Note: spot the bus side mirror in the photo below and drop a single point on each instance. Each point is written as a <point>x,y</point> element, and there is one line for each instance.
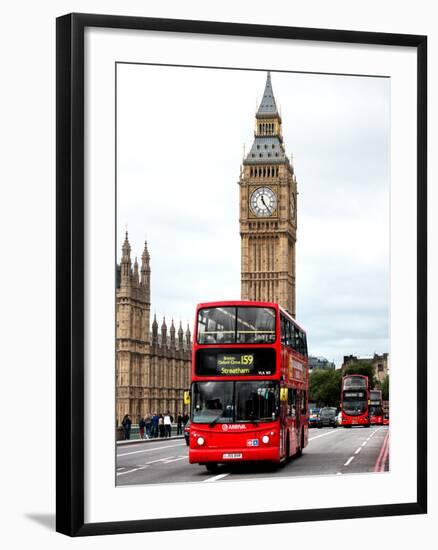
<point>283,394</point>
<point>186,398</point>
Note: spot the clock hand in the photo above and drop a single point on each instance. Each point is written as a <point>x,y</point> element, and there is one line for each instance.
<point>267,207</point>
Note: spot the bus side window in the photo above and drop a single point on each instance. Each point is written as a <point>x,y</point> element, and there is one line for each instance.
<point>289,334</point>
<point>295,338</point>
<point>303,403</point>
<point>291,398</point>
<point>283,330</point>
<point>305,343</point>
<point>301,336</point>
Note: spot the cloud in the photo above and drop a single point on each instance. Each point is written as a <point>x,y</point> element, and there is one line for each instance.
<point>180,143</point>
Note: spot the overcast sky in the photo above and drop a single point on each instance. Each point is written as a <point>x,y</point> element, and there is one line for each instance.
<point>180,138</point>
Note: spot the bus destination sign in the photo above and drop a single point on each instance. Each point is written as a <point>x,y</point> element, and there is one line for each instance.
<point>235,363</point>
<point>247,362</point>
<point>359,394</point>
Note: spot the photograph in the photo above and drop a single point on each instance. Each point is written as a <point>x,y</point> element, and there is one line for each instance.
<point>252,274</point>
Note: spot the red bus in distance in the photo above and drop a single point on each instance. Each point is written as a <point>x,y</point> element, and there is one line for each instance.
<point>249,386</point>
<point>354,401</point>
<point>376,407</point>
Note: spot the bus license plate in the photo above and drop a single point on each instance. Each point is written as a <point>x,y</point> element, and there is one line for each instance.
<point>231,455</point>
<point>252,442</point>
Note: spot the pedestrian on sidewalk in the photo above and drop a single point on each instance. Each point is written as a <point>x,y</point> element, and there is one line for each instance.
<point>161,425</point>
<point>126,423</point>
<point>167,424</point>
<point>148,425</point>
<point>179,424</point>
<point>155,425</point>
<point>185,418</point>
<point>141,427</point>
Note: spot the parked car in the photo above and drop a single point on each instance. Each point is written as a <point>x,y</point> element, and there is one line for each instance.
<point>187,432</point>
<point>327,417</point>
<point>313,418</point>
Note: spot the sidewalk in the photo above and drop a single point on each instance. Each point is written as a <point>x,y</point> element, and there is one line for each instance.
<point>150,440</point>
<point>135,435</point>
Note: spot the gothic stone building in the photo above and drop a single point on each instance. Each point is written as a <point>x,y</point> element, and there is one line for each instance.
<point>153,367</point>
<point>268,212</point>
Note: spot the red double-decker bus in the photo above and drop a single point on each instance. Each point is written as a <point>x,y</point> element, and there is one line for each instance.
<point>354,401</point>
<point>375,408</point>
<point>249,384</point>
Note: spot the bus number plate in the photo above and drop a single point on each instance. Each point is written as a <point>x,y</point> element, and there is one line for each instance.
<point>231,455</point>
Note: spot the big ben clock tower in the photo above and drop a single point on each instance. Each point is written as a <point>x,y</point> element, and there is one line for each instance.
<point>268,212</point>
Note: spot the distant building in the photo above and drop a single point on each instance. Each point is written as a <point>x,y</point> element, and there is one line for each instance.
<point>380,364</point>
<point>320,363</point>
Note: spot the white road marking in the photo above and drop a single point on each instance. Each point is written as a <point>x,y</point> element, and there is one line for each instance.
<point>127,472</point>
<point>150,450</point>
<point>215,478</point>
<point>323,435</point>
<point>339,473</point>
<point>375,431</point>
<point>174,460</point>
<point>364,443</point>
<point>159,460</point>
<point>349,460</point>
<point>357,451</point>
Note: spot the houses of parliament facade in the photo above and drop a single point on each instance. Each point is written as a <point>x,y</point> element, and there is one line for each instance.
<point>152,364</point>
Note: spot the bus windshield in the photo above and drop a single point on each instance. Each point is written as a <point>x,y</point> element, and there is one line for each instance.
<point>354,405</point>
<point>236,325</point>
<point>225,402</point>
<point>354,382</point>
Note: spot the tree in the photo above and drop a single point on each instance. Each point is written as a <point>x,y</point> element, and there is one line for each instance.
<point>325,387</point>
<point>364,368</point>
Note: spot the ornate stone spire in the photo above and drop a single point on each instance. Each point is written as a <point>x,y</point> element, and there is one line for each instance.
<point>145,257</point>
<point>155,330</point>
<point>267,147</point>
<point>164,333</point>
<point>146,272</point>
<point>125,263</point>
<point>188,336</point>
<point>172,335</point>
<point>180,335</point>
<point>268,105</point>
<point>136,277</point>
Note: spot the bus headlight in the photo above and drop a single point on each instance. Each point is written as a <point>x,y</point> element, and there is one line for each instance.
<point>265,439</point>
<point>200,441</point>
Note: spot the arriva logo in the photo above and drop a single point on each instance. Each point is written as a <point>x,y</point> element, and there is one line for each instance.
<point>227,427</point>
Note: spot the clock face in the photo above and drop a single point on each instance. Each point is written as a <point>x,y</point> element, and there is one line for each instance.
<point>263,201</point>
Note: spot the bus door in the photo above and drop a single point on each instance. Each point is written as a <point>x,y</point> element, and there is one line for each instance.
<point>284,418</point>
<point>294,415</point>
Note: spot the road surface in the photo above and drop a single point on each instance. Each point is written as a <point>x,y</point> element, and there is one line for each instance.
<point>330,451</point>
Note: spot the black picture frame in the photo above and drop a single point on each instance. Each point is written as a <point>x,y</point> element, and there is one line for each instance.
<point>70,272</point>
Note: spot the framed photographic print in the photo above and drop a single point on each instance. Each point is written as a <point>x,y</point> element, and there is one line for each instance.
<point>241,274</point>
